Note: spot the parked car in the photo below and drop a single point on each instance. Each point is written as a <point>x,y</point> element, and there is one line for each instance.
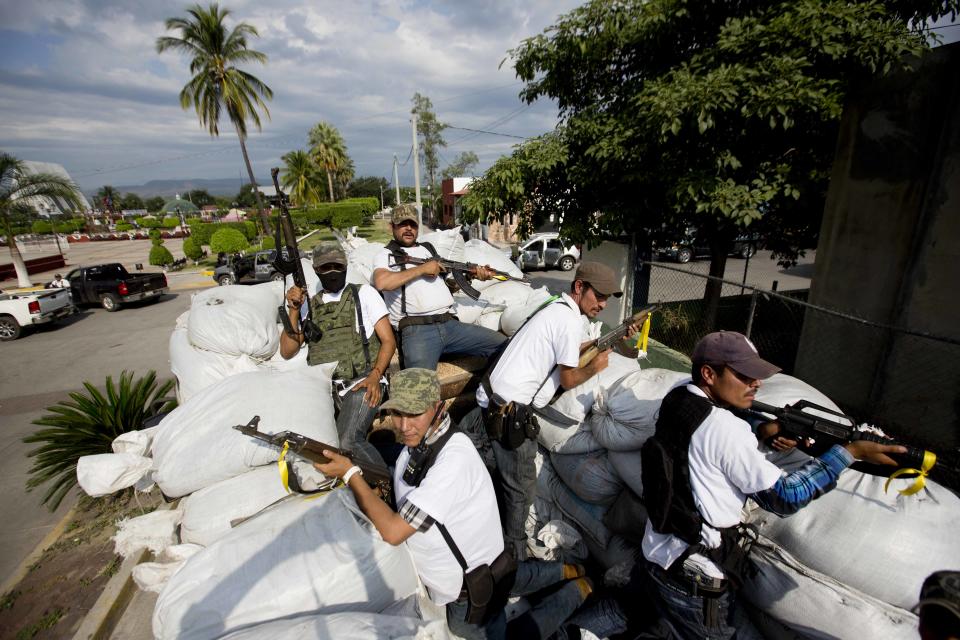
<point>692,245</point>
<point>257,267</point>
<point>21,310</point>
<point>546,251</point>
<point>111,285</point>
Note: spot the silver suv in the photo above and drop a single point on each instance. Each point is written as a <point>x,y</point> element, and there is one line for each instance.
<point>546,251</point>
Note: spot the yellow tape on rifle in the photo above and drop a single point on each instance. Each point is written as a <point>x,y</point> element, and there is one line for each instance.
<point>282,464</point>
<point>644,334</point>
<point>929,459</point>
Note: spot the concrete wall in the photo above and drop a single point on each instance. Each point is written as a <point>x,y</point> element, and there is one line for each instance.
<point>889,252</point>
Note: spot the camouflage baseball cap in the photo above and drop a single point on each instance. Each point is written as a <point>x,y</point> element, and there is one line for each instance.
<point>327,253</point>
<point>403,212</point>
<point>413,391</point>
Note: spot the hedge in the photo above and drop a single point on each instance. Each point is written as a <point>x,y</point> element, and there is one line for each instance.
<point>123,226</point>
<point>170,223</point>
<point>203,231</point>
<point>228,240</point>
<point>147,223</point>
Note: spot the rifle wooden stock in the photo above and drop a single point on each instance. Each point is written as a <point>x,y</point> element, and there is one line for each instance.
<point>459,270</point>
<point>312,450</point>
<point>609,339</point>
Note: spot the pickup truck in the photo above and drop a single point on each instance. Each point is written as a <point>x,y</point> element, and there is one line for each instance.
<point>251,269</point>
<point>19,310</point>
<point>111,285</point>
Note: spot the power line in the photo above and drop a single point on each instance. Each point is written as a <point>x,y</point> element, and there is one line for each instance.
<point>492,133</point>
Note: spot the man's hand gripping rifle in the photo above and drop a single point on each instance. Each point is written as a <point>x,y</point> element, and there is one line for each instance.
<point>816,428</point>
<point>288,263</point>
<point>312,450</point>
<point>612,337</point>
<point>463,272</point>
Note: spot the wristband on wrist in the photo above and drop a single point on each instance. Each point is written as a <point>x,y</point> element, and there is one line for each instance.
<point>352,471</point>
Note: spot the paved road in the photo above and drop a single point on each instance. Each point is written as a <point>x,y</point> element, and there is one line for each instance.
<point>46,364</point>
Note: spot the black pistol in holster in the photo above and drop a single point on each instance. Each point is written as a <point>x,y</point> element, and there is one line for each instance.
<point>288,263</point>
<point>511,424</point>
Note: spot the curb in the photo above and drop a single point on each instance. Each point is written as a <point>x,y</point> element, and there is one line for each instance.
<point>109,608</point>
<point>24,567</point>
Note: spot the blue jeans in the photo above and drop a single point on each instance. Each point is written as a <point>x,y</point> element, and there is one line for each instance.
<point>423,344</point>
<point>540,622</point>
<point>518,483</point>
<point>353,423</point>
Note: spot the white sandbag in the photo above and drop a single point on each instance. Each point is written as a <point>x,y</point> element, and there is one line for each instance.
<point>489,321</point>
<point>572,439</point>
<point>152,576</point>
<point>781,389</point>
<point>197,446</point>
<point>543,512</point>
<point>448,243</point>
<point>586,517</point>
<point>237,320</point>
<point>557,534</point>
<point>590,476</point>
<point>349,625</point>
<point>577,402</point>
<point>178,552</point>
<point>624,415</point>
<point>155,531</point>
<point>627,466</point>
<point>317,556</point>
<point>182,319</point>
<point>482,252</point>
<point>881,544</point>
<point>278,363</point>
<point>360,261</point>
<point>209,513</point>
<point>513,317</point>
<point>468,310</point>
<point>137,442</point>
<point>507,293</point>
<point>106,473</point>
<point>197,369</point>
<point>818,606</point>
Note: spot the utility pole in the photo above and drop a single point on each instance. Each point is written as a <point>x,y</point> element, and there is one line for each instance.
<point>416,171</point>
<point>396,180</point>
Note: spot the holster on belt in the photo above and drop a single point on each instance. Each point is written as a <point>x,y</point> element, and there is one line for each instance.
<point>511,424</point>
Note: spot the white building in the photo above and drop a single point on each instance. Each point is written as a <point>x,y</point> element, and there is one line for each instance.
<point>47,207</point>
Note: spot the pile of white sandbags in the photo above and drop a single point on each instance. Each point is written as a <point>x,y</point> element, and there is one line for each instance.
<point>484,253</point>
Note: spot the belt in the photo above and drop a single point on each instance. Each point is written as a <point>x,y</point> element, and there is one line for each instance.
<point>437,318</point>
<point>690,580</point>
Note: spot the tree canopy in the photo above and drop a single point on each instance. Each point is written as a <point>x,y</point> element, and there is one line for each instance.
<point>462,165</point>
<point>329,152</point>
<point>720,114</point>
<point>300,176</point>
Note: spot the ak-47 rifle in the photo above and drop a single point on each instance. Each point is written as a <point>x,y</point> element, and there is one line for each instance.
<point>611,338</point>
<point>816,428</point>
<point>312,450</point>
<point>288,263</point>
<point>461,272</point>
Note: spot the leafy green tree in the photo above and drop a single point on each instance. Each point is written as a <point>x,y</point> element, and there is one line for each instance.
<point>328,150</point>
<point>154,204</point>
<point>301,176</point>
<point>462,165</point>
<point>192,249</point>
<point>200,197</point>
<point>430,133</point>
<point>160,256</point>
<point>218,84</point>
<point>721,115</point>
<point>370,187</point>
<point>132,201</point>
<point>87,424</point>
<point>245,198</point>
<point>228,240</point>
<point>17,190</point>
<point>342,178</point>
<point>268,242</point>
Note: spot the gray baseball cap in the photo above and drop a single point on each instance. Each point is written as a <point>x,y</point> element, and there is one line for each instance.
<point>600,277</point>
<point>413,391</point>
<point>735,351</point>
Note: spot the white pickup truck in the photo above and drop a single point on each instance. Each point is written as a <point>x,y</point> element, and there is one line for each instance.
<point>19,310</point>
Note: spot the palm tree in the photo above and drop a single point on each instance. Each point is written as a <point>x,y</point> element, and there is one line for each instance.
<point>328,150</point>
<point>300,176</point>
<point>109,197</point>
<point>345,175</point>
<point>17,190</point>
<point>217,83</point>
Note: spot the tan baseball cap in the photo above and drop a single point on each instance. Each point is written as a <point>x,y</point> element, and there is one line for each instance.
<point>403,212</point>
<point>413,391</point>
<point>600,277</point>
<point>735,351</point>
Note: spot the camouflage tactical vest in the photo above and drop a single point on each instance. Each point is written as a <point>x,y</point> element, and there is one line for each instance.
<point>339,340</point>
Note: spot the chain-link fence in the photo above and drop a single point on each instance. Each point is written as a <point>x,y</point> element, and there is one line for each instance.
<point>904,381</point>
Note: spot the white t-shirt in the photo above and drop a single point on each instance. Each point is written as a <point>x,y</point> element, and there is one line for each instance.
<point>457,492</point>
<point>426,296</point>
<point>725,467</point>
<point>550,338</point>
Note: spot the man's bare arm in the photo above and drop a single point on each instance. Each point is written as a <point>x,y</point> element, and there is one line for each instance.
<point>387,280</point>
<point>571,377</point>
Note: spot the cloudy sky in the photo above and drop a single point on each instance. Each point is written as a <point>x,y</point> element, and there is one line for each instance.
<point>81,83</point>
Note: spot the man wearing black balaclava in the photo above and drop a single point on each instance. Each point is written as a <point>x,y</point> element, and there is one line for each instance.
<point>354,331</point>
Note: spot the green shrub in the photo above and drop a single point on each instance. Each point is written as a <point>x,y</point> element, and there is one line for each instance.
<point>170,223</point>
<point>192,249</point>
<point>123,226</point>
<point>156,238</point>
<point>267,242</point>
<point>160,255</point>
<point>41,226</point>
<point>86,425</point>
<point>346,218</point>
<point>228,240</point>
<point>69,226</point>
<point>148,223</point>
<point>203,231</point>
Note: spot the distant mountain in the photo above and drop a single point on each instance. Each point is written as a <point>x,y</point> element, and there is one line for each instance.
<point>170,188</point>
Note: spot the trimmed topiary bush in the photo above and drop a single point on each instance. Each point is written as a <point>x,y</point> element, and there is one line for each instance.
<point>160,256</point>
<point>192,249</point>
<point>228,240</point>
